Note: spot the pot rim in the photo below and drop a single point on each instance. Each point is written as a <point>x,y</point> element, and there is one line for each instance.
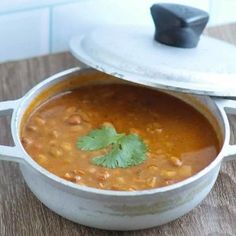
<point>15,130</point>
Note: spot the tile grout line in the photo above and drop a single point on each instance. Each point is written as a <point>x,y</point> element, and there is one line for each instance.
<point>50,33</point>
<point>211,9</point>
<point>26,9</point>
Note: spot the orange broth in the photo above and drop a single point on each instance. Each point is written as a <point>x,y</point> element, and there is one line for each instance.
<point>180,140</point>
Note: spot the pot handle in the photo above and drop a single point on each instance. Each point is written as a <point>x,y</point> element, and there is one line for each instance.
<point>8,153</point>
<point>227,106</point>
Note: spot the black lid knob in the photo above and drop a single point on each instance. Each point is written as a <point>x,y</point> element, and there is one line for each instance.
<point>178,25</point>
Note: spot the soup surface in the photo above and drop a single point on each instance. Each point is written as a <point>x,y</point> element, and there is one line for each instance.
<point>180,141</point>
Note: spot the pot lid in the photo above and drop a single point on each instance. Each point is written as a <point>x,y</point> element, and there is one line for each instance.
<point>173,59</point>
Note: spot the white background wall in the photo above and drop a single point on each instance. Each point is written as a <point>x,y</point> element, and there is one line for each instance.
<point>31,27</point>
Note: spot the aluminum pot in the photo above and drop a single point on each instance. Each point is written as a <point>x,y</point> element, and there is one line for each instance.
<point>118,210</point>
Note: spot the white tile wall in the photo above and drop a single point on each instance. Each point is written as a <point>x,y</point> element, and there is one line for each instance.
<point>75,18</point>
<point>18,5</point>
<point>31,27</point>
<point>24,34</point>
<point>223,11</point>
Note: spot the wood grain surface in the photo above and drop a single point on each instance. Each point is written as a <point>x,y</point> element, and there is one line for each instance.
<point>21,214</point>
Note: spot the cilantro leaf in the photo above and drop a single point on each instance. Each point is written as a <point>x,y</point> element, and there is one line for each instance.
<point>97,139</point>
<point>126,150</point>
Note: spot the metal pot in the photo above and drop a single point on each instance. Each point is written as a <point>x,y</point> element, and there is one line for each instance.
<point>117,210</point>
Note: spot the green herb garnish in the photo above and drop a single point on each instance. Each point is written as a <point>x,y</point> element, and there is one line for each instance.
<point>123,150</point>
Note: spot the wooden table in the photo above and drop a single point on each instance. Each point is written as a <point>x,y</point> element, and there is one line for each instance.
<point>22,214</point>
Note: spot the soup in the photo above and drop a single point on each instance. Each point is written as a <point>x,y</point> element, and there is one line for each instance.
<point>179,140</point>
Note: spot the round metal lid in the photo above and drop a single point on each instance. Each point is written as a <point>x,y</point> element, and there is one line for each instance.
<point>130,53</point>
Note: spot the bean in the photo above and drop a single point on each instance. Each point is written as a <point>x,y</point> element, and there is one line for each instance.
<point>156,155</point>
<point>65,118</point>
<point>176,161</point>
<point>159,131</point>
<point>52,142</point>
<point>38,146</point>
<point>185,171</point>
<point>77,179</point>
<point>103,176</point>
<point>83,156</point>
<point>124,188</point>
<point>40,121</point>
<point>56,152</point>
<point>42,158</point>
<point>120,179</point>
<point>26,141</point>
<point>153,168</point>
<point>154,127</point>
<point>144,173</point>
<point>66,146</point>
<point>151,155</point>
<point>132,189</point>
<point>116,172</point>
<point>119,188</point>
<point>150,130</point>
<point>141,181</point>
<point>32,128</point>
<point>92,170</point>
<point>134,131</point>
<point>67,160</point>
<point>76,128</point>
<point>85,101</point>
<point>170,181</point>
<point>115,187</point>
<point>146,141</point>
<point>74,120</point>
<point>101,185</point>
<point>151,182</point>
<point>69,176</point>
<point>106,123</point>
<point>79,172</point>
<point>159,151</point>
<point>168,173</point>
<point>84,116</point>
<point>70,109</point>
<point>55,134</point>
